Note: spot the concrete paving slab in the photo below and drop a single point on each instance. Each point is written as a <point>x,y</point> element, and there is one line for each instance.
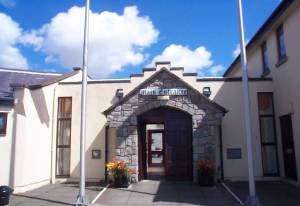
<point>55,195</point>
<point>270,193</point>
<point>161,193</point>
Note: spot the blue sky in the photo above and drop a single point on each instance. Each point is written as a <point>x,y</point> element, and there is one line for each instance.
<point>200,35</point>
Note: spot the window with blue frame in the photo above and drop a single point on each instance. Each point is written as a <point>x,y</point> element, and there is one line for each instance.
<point>3,123</point>
<point>265,59</point>
<point>281,49</point>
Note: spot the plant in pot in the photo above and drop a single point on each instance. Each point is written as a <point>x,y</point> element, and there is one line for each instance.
<point>119,172</point>
<point>206,172</point>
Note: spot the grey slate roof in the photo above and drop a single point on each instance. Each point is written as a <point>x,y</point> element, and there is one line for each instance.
<point>23,78</point>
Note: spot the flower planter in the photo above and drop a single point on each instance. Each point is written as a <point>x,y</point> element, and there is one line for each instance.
<point>206,179</point>
<point>119,172</point>
<point>206,173</point>
<point>120,182</point>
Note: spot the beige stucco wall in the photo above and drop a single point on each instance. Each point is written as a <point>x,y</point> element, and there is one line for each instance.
<point>6,147</point>
<point>285,77</point>
<point>230,96</point>
<point>33,113</point>
<point>290,20</point>
<point>286,83</point>
<point>101,96</point>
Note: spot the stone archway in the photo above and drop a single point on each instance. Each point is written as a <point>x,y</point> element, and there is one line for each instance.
<point>177,144</point>
<point>206,117</point>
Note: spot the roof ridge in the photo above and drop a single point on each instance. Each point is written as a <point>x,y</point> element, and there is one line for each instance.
<point>28,71</point>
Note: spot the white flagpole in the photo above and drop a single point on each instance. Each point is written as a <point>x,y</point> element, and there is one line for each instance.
<point>252,199</point>
<point>81,199</point>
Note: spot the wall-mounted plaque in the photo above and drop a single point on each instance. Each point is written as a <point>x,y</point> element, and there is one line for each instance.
<point>234,153</point>
<point>156,91</point>
<point>96,154</point>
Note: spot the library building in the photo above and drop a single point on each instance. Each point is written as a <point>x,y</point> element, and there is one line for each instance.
<point>162,121</point>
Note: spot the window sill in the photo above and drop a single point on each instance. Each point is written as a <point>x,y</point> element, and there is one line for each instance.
<point>265,73</point>
<point>281,61</point>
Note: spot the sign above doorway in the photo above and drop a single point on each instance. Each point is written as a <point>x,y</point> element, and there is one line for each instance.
<point>156,91</point>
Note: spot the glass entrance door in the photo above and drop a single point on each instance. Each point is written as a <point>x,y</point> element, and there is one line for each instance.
<point>155,148</point>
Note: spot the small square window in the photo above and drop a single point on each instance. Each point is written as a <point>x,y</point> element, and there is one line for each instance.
<point>3,123</point>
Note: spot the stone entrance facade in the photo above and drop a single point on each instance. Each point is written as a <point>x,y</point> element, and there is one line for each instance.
<point>206,117</point>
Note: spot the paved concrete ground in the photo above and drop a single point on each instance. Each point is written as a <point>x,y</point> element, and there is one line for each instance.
<point>54,195</point>
<point>167,193</point>
<point>270,193</point>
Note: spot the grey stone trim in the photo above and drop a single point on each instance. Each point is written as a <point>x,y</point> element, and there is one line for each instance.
<point>205,120</point>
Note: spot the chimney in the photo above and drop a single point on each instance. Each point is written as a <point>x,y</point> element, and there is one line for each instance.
<point>76,68</point>
<point>162,64</point>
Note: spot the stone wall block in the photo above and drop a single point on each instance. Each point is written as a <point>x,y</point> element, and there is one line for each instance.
<point>179,104</point>
<point>127,113</point>
<point>116,113</point>
<point>118,152</point>
<point>171,103</point>
<point>126,107</point>
<point>118,108</point>
<point>200,111</point>
<point>128,142</point>
<point>185,107</point>
<point>133,99</point>
<point>191,110</point>
<point>133,120</point>
<point>120,132</point>
<point>128,151</point>
<point>132,130</point>
<point>163,102</point>
<point>134,107</point>
<point>122,152</point>
<point>125,132</point>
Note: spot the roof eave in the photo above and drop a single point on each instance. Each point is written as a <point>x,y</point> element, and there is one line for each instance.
<point>283,6</point>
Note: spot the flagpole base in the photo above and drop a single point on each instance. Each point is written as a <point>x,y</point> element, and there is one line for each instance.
<point>81,201</point>
<point>252,201</point>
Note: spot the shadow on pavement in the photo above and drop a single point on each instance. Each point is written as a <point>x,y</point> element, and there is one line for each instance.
<point>56,194</point>
<point>270,193</point>
<point>43,199</point>
<point>167,193</point>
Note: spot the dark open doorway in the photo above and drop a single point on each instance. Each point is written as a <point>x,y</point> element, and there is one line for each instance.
<point>288,147</point>
<point>176,154</point>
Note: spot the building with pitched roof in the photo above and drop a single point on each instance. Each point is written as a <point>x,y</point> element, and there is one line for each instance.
<point>161,122</point>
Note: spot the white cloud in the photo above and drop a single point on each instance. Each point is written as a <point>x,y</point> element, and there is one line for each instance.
<point>8,3</point>
<point>236,52</point>
<point>10,55</point>
<point>198,60</point>
<point>216,70</point>
<point>32,38</point>
<point>192,60</point>
<point>115,41</point>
